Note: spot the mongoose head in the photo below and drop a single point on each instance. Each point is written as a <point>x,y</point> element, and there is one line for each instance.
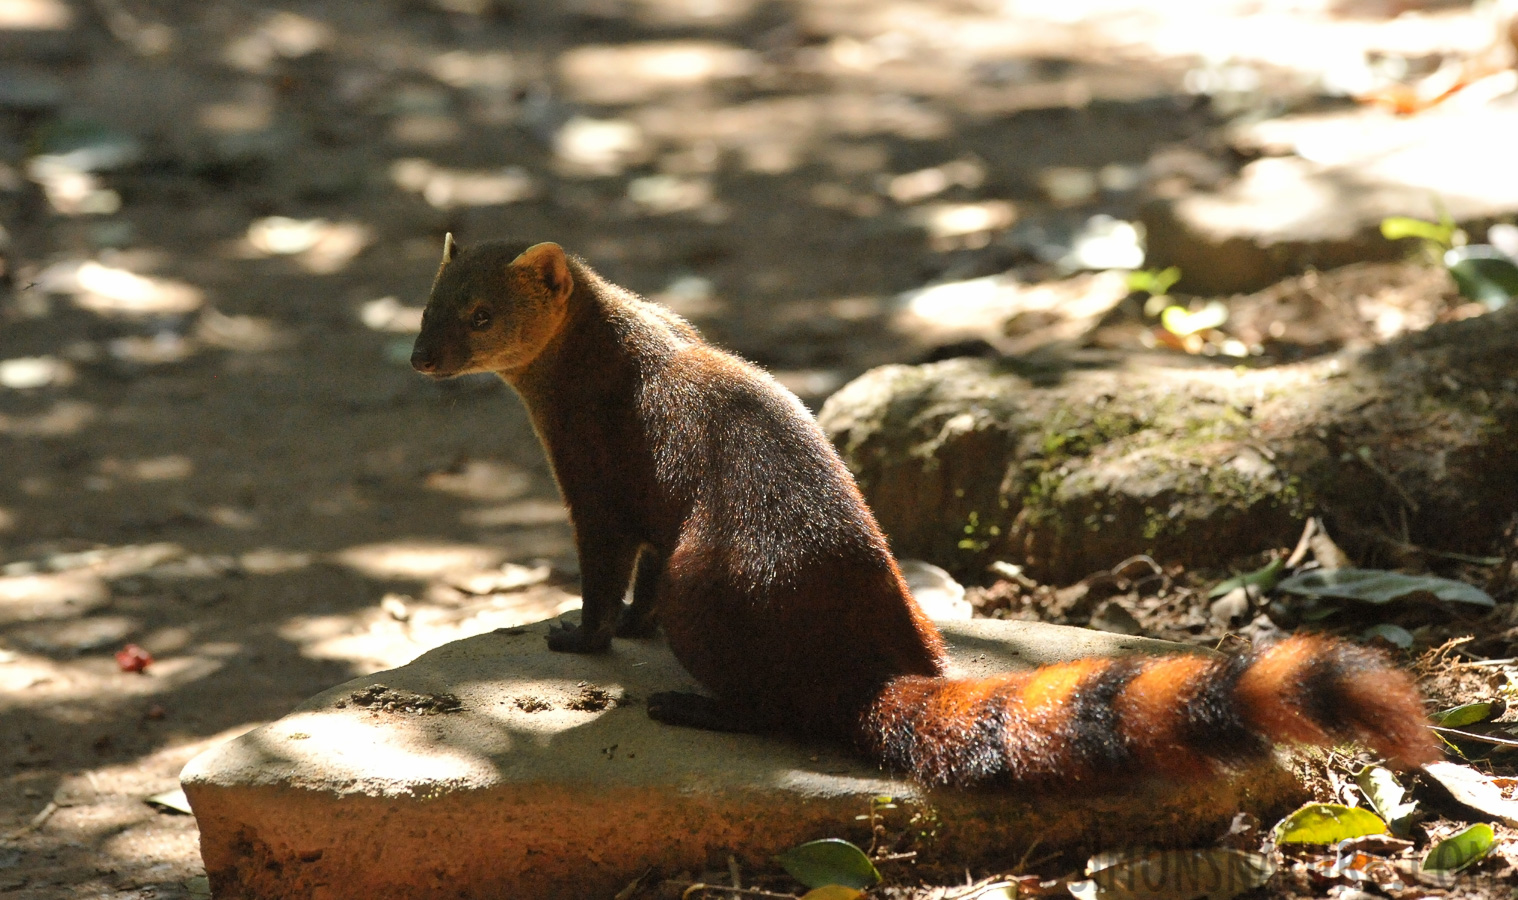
<point>493,309</point>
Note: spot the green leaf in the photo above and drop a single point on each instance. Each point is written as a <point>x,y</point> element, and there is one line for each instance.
<point>1388,798</point>
<point>829,861</point>
<point>1179,322</point>
<point>1458,851</point>
<point>1327,823</point>
<point>1395,635</point>
<point>1467,714</point>
<point>1264,579</point>
<point>1155,282</point>
<point>1216,873</point>
<point>1396,228</point>
<point>1375,586</point>
<point>1483,273</point>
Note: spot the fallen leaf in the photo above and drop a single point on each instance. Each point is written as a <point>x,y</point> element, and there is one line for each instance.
<point>1460,850</point>
<point>1468,714</point>
<point>1479,792</point>
<point>1375,586</point>
<point>1388,797</point>
<point>1327,823</point>
<point>830,861</point>
<point>1214,873</point>
<point>171,801</point>
<point>833,892</point>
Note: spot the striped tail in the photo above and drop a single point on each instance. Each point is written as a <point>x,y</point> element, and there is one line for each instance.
<point>1107,721</point>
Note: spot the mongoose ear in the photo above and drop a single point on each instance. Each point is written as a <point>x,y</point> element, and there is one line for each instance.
<point>450,248</point>
<point>547,261</point>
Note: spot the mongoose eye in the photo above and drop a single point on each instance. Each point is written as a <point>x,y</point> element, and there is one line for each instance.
<point>481,318</point>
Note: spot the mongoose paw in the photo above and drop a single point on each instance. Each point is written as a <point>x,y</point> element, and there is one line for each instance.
<point>635,624</point>
<point>574,639</point>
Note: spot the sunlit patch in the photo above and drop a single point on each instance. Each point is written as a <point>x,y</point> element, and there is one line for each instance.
<point>1004,306</point>
<point>50,595</point>
<point>113,291</point>
<point>283,236</point>
<point>403,627</point>
<point>598,147</point>
<point>283,34</point>
<point>527,512</point>
<point>322,247</point>
<point>63,418</point>
<point>690,295</point>
<point>448,188</point>
<point>675,13</point>
<point>417,559</point>
<point>35,15</point>
<point>74,635</point>
<point>173,467</point>
<point>273,561</point>
<point>382,750</point>
<point>631,73</point>
<point>482,479</point>
<point>951,225</point>
<point>30,372</point>
<point>664,194</point>
<point>244,334</point>
<point>465,69</point>
<point>914,187</point>
<point>251,111</point>
<point>389,314</point>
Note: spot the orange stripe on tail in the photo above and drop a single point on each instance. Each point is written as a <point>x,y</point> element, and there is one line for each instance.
<point>1108,721</point>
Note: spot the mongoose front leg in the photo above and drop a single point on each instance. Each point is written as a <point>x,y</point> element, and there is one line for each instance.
<point>606,566</point>
<point>638,619</point>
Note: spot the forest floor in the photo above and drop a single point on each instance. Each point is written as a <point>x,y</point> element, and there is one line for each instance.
<point>211,444</point>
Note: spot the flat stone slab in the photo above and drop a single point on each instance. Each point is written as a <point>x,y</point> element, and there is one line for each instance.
<point>491,767</point>
<point>1327,180</point>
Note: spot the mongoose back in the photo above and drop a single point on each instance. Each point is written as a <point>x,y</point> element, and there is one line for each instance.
<point>698,480</point>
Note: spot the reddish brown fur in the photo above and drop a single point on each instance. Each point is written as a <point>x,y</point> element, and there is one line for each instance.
<point>776,589</point>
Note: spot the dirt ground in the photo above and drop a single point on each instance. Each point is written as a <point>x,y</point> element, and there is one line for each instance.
<point>212,446</point>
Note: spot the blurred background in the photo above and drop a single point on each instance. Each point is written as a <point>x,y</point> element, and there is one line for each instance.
<point>219,220</point>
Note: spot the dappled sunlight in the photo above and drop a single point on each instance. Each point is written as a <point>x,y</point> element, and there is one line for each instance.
<point>389,314</point>
<point>397,749</point>
<point>588,147</point>
<point>51,595</point>
<point>446,188</point>
<point>403,627</point>
<point>113,291</point>
<point>525,513</point>
<point>321,247</point>
<point>173,467</point>
<point>418,558</point>
<point>636,73</point>
<point>35,15</point>
<point>482,479</point>
<point>1030,315</point>
<point>29,372</point>
<point>61,419</point>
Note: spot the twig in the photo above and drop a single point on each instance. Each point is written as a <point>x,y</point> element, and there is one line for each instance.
<point>1473,736</point>
<point>979,888</point>
<point>1304,543</point>
<point>727,889</point>
<point>1363,454</point>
